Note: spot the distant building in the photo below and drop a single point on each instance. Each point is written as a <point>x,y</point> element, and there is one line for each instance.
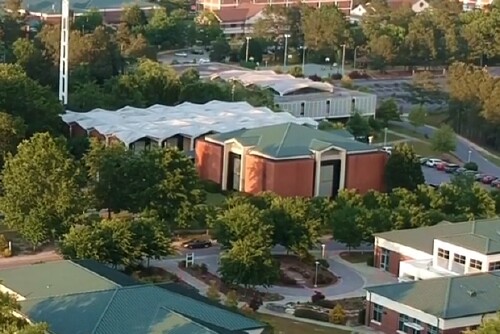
<point>446,305</point>
<point>303,97</point>
<point>418,6</point>
<point>290,160</point>
<point>446,249</point>
<point>50,10</point>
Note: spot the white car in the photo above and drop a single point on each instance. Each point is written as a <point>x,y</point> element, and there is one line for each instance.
<point>433,162</point>
<point>203,61</point>
<point>181,54</point>
<point>387,149</point>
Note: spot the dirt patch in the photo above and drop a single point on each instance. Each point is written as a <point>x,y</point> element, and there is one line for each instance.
<point>152,275</point>
<point>244,294</point>
<point>356,257</point>
<point>299,273</point>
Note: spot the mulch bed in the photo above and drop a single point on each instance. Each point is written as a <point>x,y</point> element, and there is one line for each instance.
<point>292,263</point>
<point>244,294</point>
<point>152,275</point>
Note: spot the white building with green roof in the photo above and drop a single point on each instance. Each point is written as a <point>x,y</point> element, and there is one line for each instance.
<point>446,249</point>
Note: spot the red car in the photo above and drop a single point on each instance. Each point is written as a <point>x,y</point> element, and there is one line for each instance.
<point>441,166</point>
<point>488,179</point>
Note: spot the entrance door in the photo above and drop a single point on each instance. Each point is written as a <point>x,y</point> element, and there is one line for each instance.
<point>384,260</point>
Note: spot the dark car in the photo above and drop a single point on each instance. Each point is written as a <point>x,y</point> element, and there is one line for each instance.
<point>197,51</point>
<point>197,243</point>
<point>459,171</point>
<point>450,168</point>
<point>488,179</point>
<point>479,176</point>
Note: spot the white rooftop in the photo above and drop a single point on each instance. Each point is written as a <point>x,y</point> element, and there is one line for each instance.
<point>160,122</point>
<point>281,83</point>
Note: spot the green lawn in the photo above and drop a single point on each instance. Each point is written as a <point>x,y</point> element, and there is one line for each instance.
<point>407,132</point>
<point>422,149</point>
<point>436,118</point>
<point>289,326</point>
<point>391,137</point>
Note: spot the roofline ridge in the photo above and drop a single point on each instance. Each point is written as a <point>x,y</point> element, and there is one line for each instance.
<point>104,311</point>
<point>280,144</point>
<point>33,264</point>
<point>447,296</point>
<point>184,317</point>
<point>93,272</point>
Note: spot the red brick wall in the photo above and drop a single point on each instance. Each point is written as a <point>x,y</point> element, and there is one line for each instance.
<point>285,178</point>
<point>208,160</point>
<point>394,259</point>
<point>77,131</point>
<point>365,171</point>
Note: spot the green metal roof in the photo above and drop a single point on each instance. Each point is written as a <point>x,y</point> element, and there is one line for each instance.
<point>53,279</point>
<point>447,297</point>
<point>79,6</point>
<point>138,309</point>
<point>291,140</point>
<point>482,236</point>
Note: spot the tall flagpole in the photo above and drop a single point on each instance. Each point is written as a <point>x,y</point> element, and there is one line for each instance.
<point>64,53</point>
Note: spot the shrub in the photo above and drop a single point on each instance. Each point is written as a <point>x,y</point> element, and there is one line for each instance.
<point>311,314</point>
<point>278,70</point>
<point>337,315</point>
<point>326,303</point>
<point>370,261</point>
<point>255,302</point>
<point>325,125</point>
<point>317,296</point>
<point>213,292</point>
<point>315,77</point>
<point>210,186</point>
<point>7,253</point>
<point>324,263</point>
<point>296,71</point>
<point>250,65</point>
<point>336,76</point>
<point>346,82</point>
<point>231,299</point>
<point>203,269</point>
<point>471,166</point>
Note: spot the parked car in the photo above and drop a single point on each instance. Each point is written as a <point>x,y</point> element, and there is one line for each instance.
<point>423,160</point>
<point>495,183</point>
<point>196,51</point>
<point>479,176</point>
<point>197,243</point>
<point>432,162</point>
<point>459,171</point>
<point>181,54</point>
<point>450,168</point>
<point>387,149</point>
<point>488,179</point>
<point>203,61</point>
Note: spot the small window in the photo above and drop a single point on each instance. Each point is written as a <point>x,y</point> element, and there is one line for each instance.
<point>353,104</point>
<point>494,266</point>
<point>476,264</point>
<point>378,311</point>
<point>328,103</point>
<point>302,108</point>
<point>443,253</point>
<point>432,330</point>
<point>460,259</point>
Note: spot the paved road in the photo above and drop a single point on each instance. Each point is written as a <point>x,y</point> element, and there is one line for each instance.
<point>462,150</point>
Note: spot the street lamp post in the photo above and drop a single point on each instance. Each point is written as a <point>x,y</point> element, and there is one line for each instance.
<point>323,250</point>
<point>343,58</point>
<point>304,48</point>
<point>316,275</point>
<point>355,57</point>
<point>286,50</point>
<point>385,136</point>
<point>248,43</point>
<point>468,159</point>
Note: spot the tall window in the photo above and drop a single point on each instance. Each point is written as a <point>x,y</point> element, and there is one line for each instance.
<point>494,266</point>
<point>302,108</point>
<point>460,259</point>
<point>328,104</point>
<point>476,264</point>
<point>236,174</point>
<point>378,311</point>
<point>443,253</point>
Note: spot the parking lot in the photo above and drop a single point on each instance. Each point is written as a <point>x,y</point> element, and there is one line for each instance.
<point>437,177</point>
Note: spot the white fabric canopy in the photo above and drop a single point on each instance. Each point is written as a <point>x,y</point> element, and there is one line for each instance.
<point>160,122</point>
<point>281,83</point>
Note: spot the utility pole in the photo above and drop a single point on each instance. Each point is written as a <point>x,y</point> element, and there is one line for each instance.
<point>304,48</point>
<point>64,54</point>
<point>355,56</point>
<point>343,59</point>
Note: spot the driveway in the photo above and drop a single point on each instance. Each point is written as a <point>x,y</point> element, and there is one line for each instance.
<point>462,150</point>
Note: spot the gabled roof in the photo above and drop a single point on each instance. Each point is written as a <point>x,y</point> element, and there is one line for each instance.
<point>160,122</point>
<point>447,297</point>
<point>282,84</point>
<point>482,236</point>
<point>238,14</point>
<point>290,140</point>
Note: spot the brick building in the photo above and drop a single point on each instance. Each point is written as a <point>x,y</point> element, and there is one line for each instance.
<point>446,249</point>
<point>290,160</point>
<point>446,305</point>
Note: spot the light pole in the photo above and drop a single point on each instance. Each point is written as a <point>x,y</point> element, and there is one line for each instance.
<point>385,136</point>
<point>304,48</point>
<point>316,275</point>
<point>343,59</point>
<point>323,250</point>
<point>355,56</point>
<point>248,43</point>
<point>286,50</point>
<point>470,152</point>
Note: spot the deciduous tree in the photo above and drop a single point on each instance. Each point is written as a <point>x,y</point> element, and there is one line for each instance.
<point>444,139</point>
<point>40,189</point>
<point>403,169</point>
<point>417,116</point>
<point>12,131</point>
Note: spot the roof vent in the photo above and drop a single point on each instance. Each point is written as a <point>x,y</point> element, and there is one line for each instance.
<point>472,293</point>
